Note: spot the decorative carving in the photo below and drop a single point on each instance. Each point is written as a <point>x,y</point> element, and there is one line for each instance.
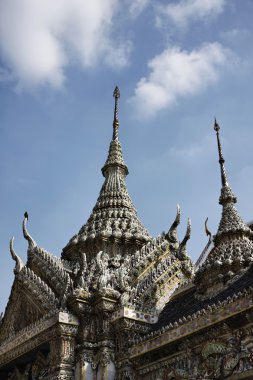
<point>172,234</point>
<point>116,279</point>
<point>19,263</point>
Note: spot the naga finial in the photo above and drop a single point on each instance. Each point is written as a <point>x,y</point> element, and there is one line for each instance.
<point>19,263</point>
<point>172,233</point>
<point>182,246</point>
<point>224,180</point>
<point>26,234</point>
<point>208,233</point>
<point>116,95</point>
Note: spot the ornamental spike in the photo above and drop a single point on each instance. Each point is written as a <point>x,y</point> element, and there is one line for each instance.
<point>224,180</point>
<point>208,233</point>
<point>19,263</point>
<point>31,243</point>
<point>116,95</point>
<point>187,234</point>
<point>172,233</point>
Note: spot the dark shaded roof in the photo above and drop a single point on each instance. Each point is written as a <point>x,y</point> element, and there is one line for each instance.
<point>187,304</point>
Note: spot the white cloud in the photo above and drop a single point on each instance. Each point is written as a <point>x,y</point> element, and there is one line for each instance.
<point>185,11</point>
<point>175,73</point>
<point>202,150</point>
<point>38,39</point>
<point>193,151</point>
<point>236,35</point>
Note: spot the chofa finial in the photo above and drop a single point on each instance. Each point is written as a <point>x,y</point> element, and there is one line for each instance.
<point>172,233</point>
<point>182,246</point>
<point>116,95</point>
<point>19,263</point>
<point>221,158</point>
<point>208,233</point>
<point>26,234</point>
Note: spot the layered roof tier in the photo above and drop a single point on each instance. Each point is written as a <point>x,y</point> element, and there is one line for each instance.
<point>232,253</point>
<point>113,222</point>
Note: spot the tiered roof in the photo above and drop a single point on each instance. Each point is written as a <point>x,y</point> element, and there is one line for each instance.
<point>233,244</point>
<point>225,274</point>
<point>114,218</point>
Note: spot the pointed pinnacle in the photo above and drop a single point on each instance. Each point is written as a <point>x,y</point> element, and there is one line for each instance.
<point>116,95</point>
<point>221,158</point>
<point>116,92</point>
<point>216,126</point>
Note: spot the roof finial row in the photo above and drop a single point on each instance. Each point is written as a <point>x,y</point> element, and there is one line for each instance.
<point>116,95</point>
<point>224,180</point>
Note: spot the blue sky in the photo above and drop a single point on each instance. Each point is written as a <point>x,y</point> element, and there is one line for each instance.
<point>177,63</point>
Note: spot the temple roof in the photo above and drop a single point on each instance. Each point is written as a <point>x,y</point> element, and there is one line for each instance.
<point>185,303</point>
<point>114,218</point>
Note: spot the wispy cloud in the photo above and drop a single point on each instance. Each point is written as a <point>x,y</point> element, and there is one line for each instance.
<point>38,39</point>
<point>236,36</point>
<point>176,73</point>
<point>137,6</point>
<point>183,12</point>
<point>5,75</point>
<point>193,151</point>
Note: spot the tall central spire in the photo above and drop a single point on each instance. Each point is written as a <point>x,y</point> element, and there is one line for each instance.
<point>221,158</point>
<point>115,156</point>
<point>116,95</point>
<point>113,225</point>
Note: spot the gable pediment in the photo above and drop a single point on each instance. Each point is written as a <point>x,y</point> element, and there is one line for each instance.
<point>23,309</point>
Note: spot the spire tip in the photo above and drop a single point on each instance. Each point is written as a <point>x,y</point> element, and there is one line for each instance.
<point>224,180</point>
<point>216,126</point>
<point>116,93</point>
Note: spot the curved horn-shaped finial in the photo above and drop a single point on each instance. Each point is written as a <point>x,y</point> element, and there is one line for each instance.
<point>186,237</point>
<point>19,263</point>
<point>208,233</point>
<point>172,233</point>
<point>32,244</point>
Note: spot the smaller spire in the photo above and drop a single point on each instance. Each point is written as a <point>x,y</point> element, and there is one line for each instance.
<point>116,95</point>
<point>224,180</point>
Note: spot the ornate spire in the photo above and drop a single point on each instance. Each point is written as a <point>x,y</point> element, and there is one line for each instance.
<point>113,224</point>
<point>115,156</point>
<point>230,219</point>
<point>233,246</point>
<point>116,95</point>
<point>221,158</point>
<point>226,191</point>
